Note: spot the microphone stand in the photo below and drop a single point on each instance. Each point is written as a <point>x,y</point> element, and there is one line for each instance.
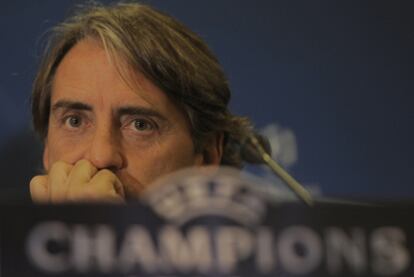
<point>294,185</point>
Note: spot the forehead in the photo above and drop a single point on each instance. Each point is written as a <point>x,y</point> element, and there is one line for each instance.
<point>88,73</point>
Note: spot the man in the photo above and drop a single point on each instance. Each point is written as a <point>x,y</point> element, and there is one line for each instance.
<point>126,94</point>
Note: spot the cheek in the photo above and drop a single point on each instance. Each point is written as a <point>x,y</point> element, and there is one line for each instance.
<point>146,165</point>
<point>60,148</point>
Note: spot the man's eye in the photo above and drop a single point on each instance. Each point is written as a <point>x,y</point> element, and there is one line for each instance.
<point>143,125</point>
<point>73,121</point>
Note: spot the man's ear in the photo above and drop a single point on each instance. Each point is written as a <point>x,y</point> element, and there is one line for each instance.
<point>46,157</point>
<point>213,151</point>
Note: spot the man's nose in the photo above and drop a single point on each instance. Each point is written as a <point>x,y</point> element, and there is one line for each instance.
<point>105,151</point>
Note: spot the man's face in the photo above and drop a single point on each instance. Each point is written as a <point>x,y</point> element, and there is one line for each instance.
<point>138,133</point>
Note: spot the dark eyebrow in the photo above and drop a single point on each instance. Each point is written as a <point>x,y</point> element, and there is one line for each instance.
<point>139,111</point>
<point>72,105</point>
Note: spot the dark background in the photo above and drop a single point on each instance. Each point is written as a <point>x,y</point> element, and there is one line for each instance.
<point>337,74</point>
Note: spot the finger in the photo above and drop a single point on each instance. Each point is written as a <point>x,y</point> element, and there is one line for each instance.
<point>103,187</point>
<point>88,196</point>
<point>105,182</point>
<point>58,181</point>
<point>39,189</point>
<point>81,174</point>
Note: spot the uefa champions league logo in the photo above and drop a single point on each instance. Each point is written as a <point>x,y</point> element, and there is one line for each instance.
<point>228,193</point>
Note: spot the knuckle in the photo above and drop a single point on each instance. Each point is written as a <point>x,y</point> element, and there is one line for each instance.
<point>57,165</point>
<point>38,182</point>
<point>83,163</point>
<point>38,189</point>
<point>106,174</point>
<point>86,167</point>
<point>60,166</point>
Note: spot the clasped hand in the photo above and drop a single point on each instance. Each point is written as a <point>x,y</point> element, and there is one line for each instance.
<point>81,182</point>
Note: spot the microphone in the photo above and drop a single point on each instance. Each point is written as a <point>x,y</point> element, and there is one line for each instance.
<point>256,149</point>
<point>249,152</point>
